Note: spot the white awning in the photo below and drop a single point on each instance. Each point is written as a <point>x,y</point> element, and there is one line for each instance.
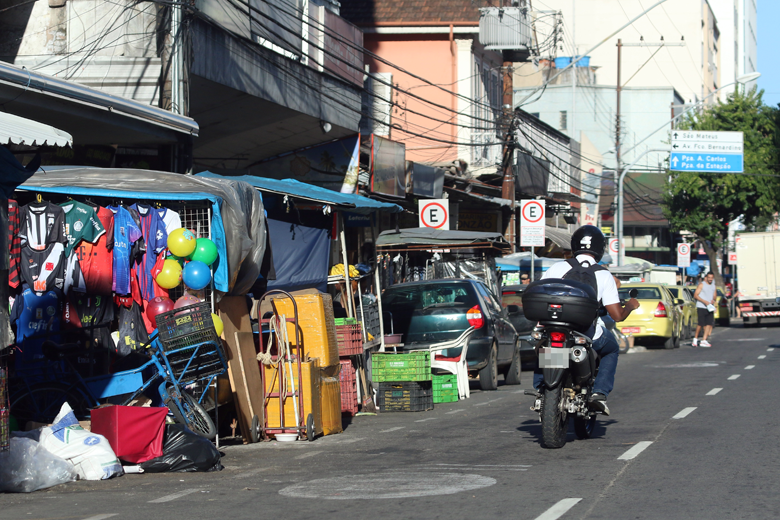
<point>18,130</point>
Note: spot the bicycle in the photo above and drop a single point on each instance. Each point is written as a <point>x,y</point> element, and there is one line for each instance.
<point>175,368</point>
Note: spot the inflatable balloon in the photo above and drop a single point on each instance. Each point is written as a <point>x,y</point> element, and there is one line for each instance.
<point>205,251</point>
<point>218,325</point>
<point>170,276</point>
<point>181,242</point>
<point>185,301</point>
<point>179,259</point>
<point>196,275</point>
<point>158,305</point>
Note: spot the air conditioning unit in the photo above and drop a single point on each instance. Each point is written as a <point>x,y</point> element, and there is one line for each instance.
<point>505,28</point>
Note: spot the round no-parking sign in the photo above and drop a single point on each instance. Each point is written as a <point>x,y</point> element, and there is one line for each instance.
<point>683,255</point>
<point>434,213</point>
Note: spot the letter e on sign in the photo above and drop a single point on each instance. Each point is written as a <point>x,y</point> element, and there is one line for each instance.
<point>434,213</point>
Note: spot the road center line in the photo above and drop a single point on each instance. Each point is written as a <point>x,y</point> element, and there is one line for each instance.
<point>635,450</point>
<point>101,517</point>
<point>770,350</point>
<point>307,455</point>
<point>453,411</point>
<point>750,367</point>
<point>428,419</point>
<point>393,429</point>
<point>685,412</point>
<point>735,376</point>
<point>559,509</point>
<point>750,339</point>
<point>714,391</point>
<point>174,496</point>
<point>762,356</point>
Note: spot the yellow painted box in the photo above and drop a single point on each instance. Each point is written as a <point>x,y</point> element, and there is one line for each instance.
<point>316,325</point>
<point>330,388</point>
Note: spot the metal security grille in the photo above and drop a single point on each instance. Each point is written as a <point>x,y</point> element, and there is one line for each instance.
<point>195,216</point>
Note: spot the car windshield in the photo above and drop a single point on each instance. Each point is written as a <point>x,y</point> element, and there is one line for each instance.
<point>424,296</point>
<point>643,293</point>
<point>512,298</point>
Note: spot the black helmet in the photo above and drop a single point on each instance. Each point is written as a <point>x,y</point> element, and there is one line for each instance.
<point>588,239</point>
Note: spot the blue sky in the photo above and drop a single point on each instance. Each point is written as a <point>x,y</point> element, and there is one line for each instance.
<point>768,43</point>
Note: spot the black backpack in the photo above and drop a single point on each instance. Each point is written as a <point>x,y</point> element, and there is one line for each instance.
<point>583,273</point>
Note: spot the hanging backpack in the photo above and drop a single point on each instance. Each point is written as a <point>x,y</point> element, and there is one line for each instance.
<point>583,273</point>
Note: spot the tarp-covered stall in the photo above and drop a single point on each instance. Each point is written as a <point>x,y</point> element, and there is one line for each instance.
<point>237,218</point>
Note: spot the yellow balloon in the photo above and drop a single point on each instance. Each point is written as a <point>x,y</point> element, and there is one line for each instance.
<point>218,325</point>
<point>182,242</point>
<point>170,276</point>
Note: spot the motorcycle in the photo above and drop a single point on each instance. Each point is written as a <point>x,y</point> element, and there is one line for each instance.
<point>566,312</point>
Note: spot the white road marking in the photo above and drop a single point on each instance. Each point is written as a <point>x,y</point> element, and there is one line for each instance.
<point>750,367</point>
<point>559,509</point>
<point>735,376</point>
<point>635,450</point>
<point>101,517</point>
<point>454,411</point>
<point>750,339</point>
<point>762,356</point>
<point>770,350</point>
<point>519,392</point>
<point>393,429</point>
<point>307,455</point>
<point>488,402</point>
<point>428,419</point>
<point>714,391</point>
<point>168,498</point>
<point>685,412</point>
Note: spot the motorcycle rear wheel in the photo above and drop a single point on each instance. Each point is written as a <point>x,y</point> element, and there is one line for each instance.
<point>555,422</point>
<point>584,427</point>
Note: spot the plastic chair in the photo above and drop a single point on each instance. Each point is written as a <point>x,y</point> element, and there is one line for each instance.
<point>454,365</point>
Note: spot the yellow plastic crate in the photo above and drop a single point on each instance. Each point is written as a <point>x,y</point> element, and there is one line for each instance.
<point>317,326</point>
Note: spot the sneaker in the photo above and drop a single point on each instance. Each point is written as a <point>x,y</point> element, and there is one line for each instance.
<point>695,342</point>
<point>598,402</point>
<point>704,343</point>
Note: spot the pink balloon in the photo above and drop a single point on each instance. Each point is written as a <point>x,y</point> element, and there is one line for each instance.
<point>158,305</point>
<point>185,301</point>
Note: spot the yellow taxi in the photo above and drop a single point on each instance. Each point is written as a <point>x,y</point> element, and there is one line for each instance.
<point>722,314</point>
<point>687,306</point>
<point>657,318</point>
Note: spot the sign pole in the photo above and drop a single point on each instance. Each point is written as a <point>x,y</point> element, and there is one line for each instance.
<point>531,276</point>
<point>532,227</point>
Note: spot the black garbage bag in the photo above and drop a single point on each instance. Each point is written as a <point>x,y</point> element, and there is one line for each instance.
<point>184,450</point>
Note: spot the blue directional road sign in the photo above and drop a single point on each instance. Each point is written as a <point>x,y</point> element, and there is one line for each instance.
<point>700,151</point>
<point>706,162</point>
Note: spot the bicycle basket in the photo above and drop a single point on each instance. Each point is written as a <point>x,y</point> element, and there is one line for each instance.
<point>186,326</point>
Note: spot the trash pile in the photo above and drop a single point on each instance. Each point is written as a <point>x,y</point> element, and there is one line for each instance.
<point>120,439</point>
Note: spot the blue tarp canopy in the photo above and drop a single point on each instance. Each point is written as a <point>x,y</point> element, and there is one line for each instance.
<point>300,256</point>
<point>300,190</point>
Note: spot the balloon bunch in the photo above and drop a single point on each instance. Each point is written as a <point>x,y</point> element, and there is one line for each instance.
<point>190,261</point>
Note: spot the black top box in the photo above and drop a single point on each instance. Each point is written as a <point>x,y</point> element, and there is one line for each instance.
<point>556,301</point>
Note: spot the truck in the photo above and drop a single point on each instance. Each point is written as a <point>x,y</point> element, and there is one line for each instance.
<point>758,276</point>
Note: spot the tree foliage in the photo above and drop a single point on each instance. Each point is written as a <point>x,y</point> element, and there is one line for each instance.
<point>705,203</point>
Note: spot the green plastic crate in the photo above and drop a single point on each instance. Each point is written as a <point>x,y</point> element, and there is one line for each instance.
<point>345,321</point>
<point>445,397</point>
<point>413,366</point>
<point>445,382</point>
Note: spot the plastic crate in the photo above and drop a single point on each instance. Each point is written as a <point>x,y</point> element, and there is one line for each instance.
<point>350,340</point>
<point>404,396</point>
<point>412,366</point>
<point>445,388</point>
<point>345,321</point>
<point>371,318</point>
<point>207,360</point>
<point>348,382</point>
<point>186,326</point>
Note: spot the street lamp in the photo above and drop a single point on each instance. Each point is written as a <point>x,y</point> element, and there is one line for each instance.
<point>745,78</point>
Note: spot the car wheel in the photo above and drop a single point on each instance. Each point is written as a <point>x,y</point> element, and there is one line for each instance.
<point>488,376</point>
<point>512,374</point>
<point>724,322</point>
<point>669,343</point>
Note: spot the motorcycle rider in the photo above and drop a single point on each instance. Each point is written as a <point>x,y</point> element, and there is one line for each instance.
<point>587,245</point>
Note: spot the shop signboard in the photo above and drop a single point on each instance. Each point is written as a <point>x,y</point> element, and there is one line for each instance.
<point>474,220</point>
<point>388,167</point>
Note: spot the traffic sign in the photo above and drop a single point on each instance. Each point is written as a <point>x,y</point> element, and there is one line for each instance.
<point>532,232</point>
<point>732,258</point>
<point>697,151</point>
<point>683,255</point>
<point>614,249</point>
<point>434,213</point>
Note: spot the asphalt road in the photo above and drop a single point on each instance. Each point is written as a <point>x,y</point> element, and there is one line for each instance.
<point>692,435</point>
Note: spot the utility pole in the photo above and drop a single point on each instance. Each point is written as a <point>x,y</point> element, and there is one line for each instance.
<point>507,163</point>
<point>617,153</point>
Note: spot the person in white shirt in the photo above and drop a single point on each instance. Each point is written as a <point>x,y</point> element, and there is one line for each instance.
<point>587,245</point>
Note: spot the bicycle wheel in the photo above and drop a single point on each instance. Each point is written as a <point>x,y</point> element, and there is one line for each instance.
<point>192,415</point>
<point>42,402</point>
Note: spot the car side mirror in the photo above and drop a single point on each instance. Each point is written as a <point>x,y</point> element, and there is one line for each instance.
<point>633,293</point>
<point>680,301</point>
<point>513,309</point>
<point>777,300</point>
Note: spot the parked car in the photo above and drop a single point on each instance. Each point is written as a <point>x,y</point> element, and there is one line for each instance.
<point>433,311</point>
<point>687,306</point>
<point>512,300</point>
<point>657,317</point>
<point>722,314</point>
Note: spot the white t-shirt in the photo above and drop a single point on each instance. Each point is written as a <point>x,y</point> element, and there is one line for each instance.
<point>170,218</point>
<point>607,289</point>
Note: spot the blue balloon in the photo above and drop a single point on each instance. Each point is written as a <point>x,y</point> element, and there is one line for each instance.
<point>196,275</point>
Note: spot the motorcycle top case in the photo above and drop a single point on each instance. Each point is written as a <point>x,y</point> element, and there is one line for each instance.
<point>561,302</point>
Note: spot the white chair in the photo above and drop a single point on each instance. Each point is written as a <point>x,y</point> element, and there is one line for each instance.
<point>455,365</point>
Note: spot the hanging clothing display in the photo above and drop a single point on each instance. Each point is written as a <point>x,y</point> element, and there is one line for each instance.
<point>170,218</point>
<point>96,259</point>
<point>81,223</point>
<point>41,224</point>
<point>132,330</point>
<point>44,270</point>
<point>126,233</point>
<point>35,315</point>
<point>155,237</point>
<point>15,243</point>
<point>93,314</point>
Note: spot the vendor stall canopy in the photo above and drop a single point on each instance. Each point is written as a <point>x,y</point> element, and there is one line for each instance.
<point>427,238</point>
<point>300,190</point>
<point>22,131</point>
<point>237,222</point>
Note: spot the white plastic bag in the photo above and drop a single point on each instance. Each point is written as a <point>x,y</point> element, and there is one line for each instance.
<point>89,452</point>
<point>28,467</point>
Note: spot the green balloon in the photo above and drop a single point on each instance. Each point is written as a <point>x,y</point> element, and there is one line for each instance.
<point>205,251</point>
<point>178,259</point>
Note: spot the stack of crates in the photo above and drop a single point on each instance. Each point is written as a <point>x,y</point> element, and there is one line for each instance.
<point>445,388</point>
<point>404,381</point>
<point>349,337</point>
<point>348,382</point>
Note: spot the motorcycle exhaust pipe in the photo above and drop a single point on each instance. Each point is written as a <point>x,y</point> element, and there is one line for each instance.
<point>580,365</point>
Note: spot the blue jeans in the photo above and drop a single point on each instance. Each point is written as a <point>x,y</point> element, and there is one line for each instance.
<point>607,348</point>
